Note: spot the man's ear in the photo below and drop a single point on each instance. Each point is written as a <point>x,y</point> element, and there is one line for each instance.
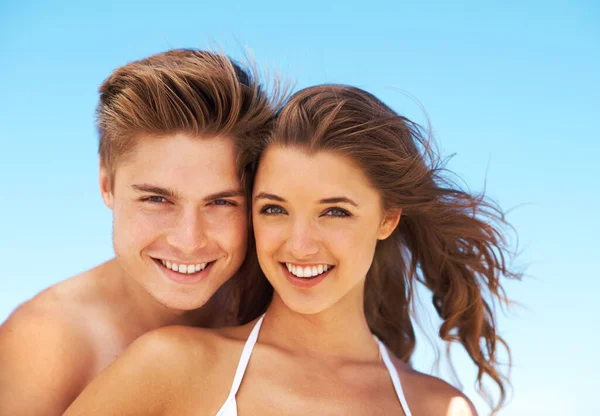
<point>389,223</point>
<point>106,187</point>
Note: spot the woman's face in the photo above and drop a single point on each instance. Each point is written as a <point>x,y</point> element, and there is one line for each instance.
<point>316,220</point>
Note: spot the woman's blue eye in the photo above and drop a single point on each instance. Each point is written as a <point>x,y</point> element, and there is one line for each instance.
<point>337,212</point>
<point>272,210</point>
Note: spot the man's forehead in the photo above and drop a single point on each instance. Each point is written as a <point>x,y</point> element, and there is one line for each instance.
<point>182,151</point>
<point>183,165</point>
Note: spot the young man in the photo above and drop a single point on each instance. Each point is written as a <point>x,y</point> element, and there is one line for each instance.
<point>168,127</point>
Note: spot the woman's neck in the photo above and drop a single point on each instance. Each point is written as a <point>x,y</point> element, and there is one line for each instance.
<point>339,333</point>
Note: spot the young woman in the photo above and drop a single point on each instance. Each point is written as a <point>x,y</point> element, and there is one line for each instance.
<point>349,211</point>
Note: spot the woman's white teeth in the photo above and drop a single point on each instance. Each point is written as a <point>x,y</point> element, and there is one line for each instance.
<point>184,268</point>
<point>307,271</point>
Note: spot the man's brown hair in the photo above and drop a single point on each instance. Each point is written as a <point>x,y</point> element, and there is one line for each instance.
<point>194,92</point>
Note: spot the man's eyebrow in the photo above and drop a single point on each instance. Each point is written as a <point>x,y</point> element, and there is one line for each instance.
<point>337,200</point>
<point>153,189</point>
<point>230,193</point>
<point>272,197</point>
<point>167,192</point>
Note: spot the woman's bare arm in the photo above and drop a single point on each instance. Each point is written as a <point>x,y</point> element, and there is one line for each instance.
<point>140,382</point>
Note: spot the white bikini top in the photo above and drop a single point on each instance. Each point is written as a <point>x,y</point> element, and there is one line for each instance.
<point>229,408</point>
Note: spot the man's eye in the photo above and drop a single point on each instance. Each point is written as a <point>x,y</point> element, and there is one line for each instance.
<point>272,210</point>
<point>155,199</point>
<point>222,202</point>
<point>337,212</point>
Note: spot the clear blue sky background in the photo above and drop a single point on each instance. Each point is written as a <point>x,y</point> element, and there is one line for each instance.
<point>512,88</point>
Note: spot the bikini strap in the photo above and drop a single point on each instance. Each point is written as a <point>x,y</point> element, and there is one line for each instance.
<point>245,357</point>
<point>394,376</point>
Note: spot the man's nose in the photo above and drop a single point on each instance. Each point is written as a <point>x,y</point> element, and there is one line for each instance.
<point>189,233</point>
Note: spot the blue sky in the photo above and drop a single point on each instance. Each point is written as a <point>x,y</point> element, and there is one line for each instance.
<point>511,88</point>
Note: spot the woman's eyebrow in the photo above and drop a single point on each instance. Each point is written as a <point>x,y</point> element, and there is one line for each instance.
<point>333,200</point>
<point>337,200</point>
<point>272,197</point>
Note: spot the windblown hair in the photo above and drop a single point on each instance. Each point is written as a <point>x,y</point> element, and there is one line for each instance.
<point>195,92</point>
<point>452,242</point>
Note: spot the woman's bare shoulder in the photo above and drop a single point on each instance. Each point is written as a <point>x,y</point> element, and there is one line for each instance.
<point>429,395</point>
<point>184,343</point>
<point>172,349</point>
<point>191,346</point>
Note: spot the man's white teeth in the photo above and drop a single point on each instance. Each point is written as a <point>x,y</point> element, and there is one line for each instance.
<point>307,271</point>
<point>184,268</point>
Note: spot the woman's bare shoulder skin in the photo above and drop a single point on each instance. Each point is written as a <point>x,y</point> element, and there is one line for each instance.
<point>430,396</point>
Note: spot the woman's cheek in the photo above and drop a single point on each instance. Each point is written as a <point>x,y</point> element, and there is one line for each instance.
<point>268,236</point>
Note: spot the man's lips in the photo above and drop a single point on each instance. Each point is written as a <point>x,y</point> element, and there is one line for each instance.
<point>183,268</point>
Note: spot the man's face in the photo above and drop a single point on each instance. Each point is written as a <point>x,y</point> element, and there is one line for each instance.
<point>179,217</point>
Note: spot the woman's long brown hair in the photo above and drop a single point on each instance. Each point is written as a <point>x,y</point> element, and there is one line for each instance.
<point>452,242</point>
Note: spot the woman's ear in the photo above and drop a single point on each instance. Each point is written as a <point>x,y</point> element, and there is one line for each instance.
<point>389,222</point>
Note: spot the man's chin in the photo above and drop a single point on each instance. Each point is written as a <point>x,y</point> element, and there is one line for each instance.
<point>178,301</point>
